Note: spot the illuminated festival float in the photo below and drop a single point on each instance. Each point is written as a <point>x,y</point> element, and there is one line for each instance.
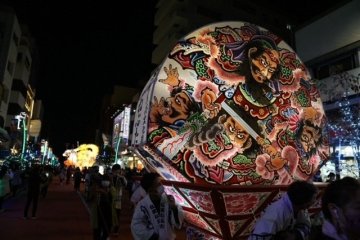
<point>229,119</point>
<point>82,156</point>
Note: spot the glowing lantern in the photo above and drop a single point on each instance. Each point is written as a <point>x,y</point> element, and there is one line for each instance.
<point>82,156</point>
<point>35,127</point>
<point>232,104</point>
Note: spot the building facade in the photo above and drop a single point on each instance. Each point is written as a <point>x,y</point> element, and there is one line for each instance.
<point>10,47</point>
<point>17,92</point>
<point>330,48</point>
<point>175,18</point>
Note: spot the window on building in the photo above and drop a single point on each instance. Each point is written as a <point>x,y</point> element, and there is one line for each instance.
<point>336,66</point>
<point>16,39</point>
<point>5,95</point>
<point>14,109</point>
<point>18,86</point>
<point>24,42</point>
<point>10,67</point>
<point>27,63</point>
<point>19,57</point>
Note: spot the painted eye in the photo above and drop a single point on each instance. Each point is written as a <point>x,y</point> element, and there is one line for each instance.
<point>271,70</point>
<point>304,138</point>
<point>240,135</point>
<point>230,93</point>
<point>263,62</point>
<point>231,129</point>
<point>177,100</point>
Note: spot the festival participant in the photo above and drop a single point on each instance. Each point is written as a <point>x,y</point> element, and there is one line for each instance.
<point>118,183</point>
<point>156,215</point>
<point>33,190</point>
<point>77,179</point>
<point>138,192</point>
<point>341,209</point>
<point>287,218</point>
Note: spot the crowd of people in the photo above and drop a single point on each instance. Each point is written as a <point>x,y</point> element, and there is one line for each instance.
<point>156,215</point>
<point>288,219</point>
<point>32,180</point>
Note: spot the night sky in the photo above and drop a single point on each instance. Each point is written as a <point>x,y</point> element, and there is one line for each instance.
<point>82,50</point>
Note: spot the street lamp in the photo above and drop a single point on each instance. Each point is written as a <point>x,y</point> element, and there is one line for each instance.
<point>117,146</point>
<point>22,121</point>
<point>46,148</point>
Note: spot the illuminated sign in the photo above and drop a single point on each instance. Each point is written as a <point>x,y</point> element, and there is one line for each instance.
<point>126,125</point>
<point>121,127</point>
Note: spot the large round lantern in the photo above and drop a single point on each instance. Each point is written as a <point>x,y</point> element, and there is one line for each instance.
<point>229,119</point>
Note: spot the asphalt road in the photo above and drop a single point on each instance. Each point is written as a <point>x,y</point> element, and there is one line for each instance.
<point>62,215</point>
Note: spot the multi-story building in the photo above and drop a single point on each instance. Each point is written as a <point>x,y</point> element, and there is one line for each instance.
<point>117,118</point>
<point>17,93</point>
<point>330,48</point>
<point>9,48</point>
<point>175,18</point>
<point>112,105</point>
<point>22,94</point>
<point>10,34</point>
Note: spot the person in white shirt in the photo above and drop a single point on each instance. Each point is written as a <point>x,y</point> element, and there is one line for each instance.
<point>287,218</point>
<point>138,193</point>
<point>157,215</point>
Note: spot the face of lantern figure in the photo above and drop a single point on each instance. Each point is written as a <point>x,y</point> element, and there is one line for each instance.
<point>309,137</point>
<point>263,63</point>
<point>237,133</point>
<point>176,107</point>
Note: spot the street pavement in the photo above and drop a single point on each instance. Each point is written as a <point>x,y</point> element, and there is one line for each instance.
<point>62,215</point>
